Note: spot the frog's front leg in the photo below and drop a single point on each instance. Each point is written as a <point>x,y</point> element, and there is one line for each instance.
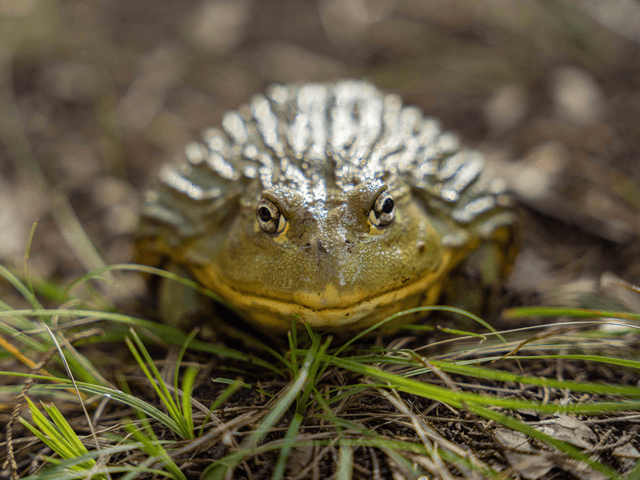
<point>476,283</point>
<point>180,304</point>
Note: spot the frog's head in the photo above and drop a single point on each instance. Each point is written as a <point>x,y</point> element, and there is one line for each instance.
<point>335,256</point>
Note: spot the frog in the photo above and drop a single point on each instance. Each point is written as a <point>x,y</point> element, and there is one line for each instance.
<point>331,205</point>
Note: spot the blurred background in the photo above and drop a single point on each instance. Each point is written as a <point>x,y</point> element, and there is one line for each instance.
<point>95,95</point>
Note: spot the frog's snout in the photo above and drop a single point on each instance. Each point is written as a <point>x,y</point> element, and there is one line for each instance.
<point>315,247</point>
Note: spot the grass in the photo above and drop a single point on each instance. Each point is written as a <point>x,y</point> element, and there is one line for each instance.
<point>165,403</point>
<point>312,406</point>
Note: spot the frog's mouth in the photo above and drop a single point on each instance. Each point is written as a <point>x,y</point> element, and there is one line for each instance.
<point>329,308</point>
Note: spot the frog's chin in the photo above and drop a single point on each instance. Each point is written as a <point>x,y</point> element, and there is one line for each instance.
<point>327,309</point>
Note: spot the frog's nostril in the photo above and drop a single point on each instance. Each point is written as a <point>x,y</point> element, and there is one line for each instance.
<point>316,246</point>
<point>349,245</point>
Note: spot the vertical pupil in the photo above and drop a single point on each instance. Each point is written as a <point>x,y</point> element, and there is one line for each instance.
<point>387,205</point>
<point>264,214</point>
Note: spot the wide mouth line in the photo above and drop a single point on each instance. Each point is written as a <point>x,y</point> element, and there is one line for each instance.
<point>266,299</point>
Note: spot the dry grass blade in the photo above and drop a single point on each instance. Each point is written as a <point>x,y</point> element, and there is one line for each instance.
<point>431,439</point>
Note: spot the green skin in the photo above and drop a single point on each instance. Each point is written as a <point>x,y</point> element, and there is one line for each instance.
<point>331,204</point>
<point>330,266</point>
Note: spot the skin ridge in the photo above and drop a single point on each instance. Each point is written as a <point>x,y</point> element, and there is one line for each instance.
<point>345,144</point>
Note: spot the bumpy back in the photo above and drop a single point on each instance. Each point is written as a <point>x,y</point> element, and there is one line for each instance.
<point>319,138</point>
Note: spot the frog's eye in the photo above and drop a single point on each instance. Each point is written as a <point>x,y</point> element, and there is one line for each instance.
<point>269,217</point>
<point>383,211</point>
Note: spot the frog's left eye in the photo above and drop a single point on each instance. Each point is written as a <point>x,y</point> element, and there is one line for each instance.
<point>383,211</point>
<point>269,217</point>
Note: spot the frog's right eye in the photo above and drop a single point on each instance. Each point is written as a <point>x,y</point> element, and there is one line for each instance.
<point>269,217</point>
<point>383,210</point>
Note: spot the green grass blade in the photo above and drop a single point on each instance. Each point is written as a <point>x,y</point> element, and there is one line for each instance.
<point>288,443</point>
<point>155,450</point>
<point>119,396</point>
<point>458,399</point>
<point>315,366</point>
<point>188,381</point>
<point>567,448</point>
<point>170,335</point>
<point>285,401</point>
<point>523,312</point>
<point>345,462</point>
<point>157,382</point>
<point>502,376</point>
<point>230,390</point>
<point>634,474</point>
<point>58,435</point>
<point>21,287</point>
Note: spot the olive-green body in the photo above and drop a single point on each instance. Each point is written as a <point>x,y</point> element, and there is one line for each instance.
<point>333,204</point>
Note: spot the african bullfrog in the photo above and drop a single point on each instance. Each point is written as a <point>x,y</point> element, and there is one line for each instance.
<point>334,204</point>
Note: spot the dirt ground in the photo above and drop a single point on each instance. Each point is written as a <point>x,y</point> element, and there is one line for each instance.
<point>96,95</point>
